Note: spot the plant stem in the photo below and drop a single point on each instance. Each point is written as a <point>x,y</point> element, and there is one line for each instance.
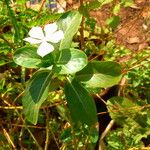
<point>108,128</point>
<point>20,115</point>
<point>40,9</point>
<point>47,131</point>
<point>8,138</point>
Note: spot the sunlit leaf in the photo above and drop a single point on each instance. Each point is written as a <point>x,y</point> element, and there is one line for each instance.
<point>70,61</point>
<point>28,57</point>
<point>69,23</point>
<point>127,3</point>
<point>103,2</point>
<point>100,74</point>
<point>116,9</point>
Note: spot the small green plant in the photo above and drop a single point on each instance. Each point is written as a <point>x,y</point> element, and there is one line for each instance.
<point>133,120</point>
<point>52,65</point>
<point>64,62</point>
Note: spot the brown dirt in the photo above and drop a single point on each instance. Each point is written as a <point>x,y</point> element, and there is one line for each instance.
<point>134,29</point>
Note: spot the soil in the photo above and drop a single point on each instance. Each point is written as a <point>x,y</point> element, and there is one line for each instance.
<point>134,29</point>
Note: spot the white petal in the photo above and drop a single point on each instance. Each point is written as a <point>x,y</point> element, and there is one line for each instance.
<point>44,49</point>
<point>50,28</point>
<point>56,37</point>
<point>32,40</point>
<point>36,32</point>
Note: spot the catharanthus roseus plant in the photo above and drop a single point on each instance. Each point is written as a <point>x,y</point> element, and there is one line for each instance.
<point>52,52</point>
<point>60,60</point>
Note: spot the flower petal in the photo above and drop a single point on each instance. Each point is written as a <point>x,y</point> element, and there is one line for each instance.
<point>44,49</point>
<point>32,40</point>
<point>50,28</point>
<point>56,37</point>
<point>36,32</point>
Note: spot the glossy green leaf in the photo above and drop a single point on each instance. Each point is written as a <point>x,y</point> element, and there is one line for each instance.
<point>35,94</point>
<point>81,104</point>
<point>27,57</point>
<point>100,74</point>
<point>69,23</point>
<point>70,61</point>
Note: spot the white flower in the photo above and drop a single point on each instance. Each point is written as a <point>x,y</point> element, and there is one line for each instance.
<point>50,34</point>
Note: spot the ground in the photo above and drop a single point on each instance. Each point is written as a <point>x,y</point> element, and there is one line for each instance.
<point>134,29</point>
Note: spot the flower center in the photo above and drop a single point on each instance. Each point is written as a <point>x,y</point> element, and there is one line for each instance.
<point>44,39</point>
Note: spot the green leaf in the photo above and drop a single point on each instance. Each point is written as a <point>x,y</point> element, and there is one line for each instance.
<point>127,3</point>
<point>121,108</point>
<point>35,94</point>
<point>70,61</point>
<point>103,2</point>
<point>21,2</point>
<point>69,23</point>
<point>27,57</point>
<point>100,74</point>
<point>2,62</point>
<point>81,104</point>
<point>95,4</point>
<point>116,9</point>
<point>113,22</point>
<point>66,135</point>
